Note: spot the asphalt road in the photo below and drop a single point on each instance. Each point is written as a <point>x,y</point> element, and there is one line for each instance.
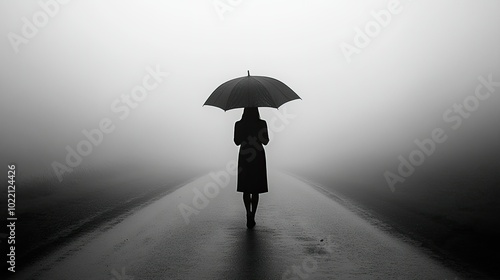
<point>301,233</point>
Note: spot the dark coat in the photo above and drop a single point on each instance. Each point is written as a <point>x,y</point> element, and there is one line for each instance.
<point>252,172</point>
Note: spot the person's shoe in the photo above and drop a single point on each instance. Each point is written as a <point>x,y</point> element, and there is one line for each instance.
<point>252,221</point>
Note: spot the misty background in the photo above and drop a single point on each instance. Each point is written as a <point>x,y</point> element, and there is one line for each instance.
<point>91,52</point>
<point>352,123</point>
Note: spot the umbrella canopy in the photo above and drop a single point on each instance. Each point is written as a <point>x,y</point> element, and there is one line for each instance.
<point>251,91</point>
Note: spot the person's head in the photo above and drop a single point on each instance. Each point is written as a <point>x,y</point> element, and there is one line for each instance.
<point>250,114</point>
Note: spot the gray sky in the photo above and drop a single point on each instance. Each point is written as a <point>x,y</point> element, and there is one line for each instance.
<point>65,78</point>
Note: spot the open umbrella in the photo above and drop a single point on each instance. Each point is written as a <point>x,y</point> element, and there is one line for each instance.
<point>251,91</point>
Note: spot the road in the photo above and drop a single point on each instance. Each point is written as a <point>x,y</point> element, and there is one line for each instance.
<point>301,233</point>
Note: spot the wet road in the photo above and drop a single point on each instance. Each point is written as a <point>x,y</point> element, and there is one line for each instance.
<point>300,234</point>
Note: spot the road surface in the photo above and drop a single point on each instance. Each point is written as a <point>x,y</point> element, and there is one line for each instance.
<point>301,234</point>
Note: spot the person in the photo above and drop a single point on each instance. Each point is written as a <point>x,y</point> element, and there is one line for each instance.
<point>250,133</point>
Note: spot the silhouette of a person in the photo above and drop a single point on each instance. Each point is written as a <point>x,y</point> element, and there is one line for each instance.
<point>250,133</point>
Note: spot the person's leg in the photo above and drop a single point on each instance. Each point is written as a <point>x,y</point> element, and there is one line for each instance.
<point>255,202</point>
<point>247,201</point>
<point>251,217</point>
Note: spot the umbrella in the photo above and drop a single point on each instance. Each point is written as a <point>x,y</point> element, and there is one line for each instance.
<point>251,91</point>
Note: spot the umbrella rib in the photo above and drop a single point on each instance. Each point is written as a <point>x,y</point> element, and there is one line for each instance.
<point>235,85</point>
<point>218,96</point>
<point>285,94</point>
<point>222,92</point>
<point>271,84</point>
<point>221,89</point>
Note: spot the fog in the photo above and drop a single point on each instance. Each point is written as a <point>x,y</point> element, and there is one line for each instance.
<point>361,111</point>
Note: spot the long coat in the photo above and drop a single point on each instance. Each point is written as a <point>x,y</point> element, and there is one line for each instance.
<point>252,172</point>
